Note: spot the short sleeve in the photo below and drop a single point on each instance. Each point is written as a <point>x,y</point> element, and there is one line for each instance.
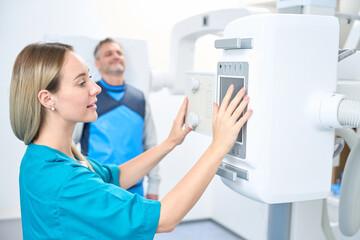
<point>109,173</point>
<point>91,208</point>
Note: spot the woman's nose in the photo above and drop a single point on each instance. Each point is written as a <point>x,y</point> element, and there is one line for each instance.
<point>95,89</point>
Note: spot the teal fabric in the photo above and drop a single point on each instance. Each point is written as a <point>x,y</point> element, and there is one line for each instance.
<point>116,92</point>
<point>61,199</point>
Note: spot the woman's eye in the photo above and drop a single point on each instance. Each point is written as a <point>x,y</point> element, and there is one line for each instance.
<point>82,83</point>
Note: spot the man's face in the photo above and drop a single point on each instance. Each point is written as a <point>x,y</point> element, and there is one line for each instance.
<point>110,59</point>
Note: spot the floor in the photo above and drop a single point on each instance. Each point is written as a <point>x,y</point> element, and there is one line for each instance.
<point>189,230</point>
<point>199,230</point>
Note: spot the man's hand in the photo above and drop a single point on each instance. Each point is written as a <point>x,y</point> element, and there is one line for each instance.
<point>152,196</point>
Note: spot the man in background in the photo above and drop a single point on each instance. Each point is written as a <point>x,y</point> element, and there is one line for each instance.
<point>124,128</point>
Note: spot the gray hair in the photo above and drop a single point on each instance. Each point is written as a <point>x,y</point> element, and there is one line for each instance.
<point>102,42</point>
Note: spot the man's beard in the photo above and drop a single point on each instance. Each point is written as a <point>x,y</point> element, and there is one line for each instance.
<point>117,71</point>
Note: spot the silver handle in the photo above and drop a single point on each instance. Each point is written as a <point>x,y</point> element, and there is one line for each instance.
<point>344,53</point>
<point>234,43</point>
<point>231,172</point>
<point>225,173</point>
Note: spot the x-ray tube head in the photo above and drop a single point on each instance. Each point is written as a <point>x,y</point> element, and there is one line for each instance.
<point>286,63</point>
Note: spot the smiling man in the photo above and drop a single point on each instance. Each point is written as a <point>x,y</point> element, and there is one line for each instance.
<point>124,128</point>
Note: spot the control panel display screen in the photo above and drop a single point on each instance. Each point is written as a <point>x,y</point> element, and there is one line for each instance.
<point>225,83</point>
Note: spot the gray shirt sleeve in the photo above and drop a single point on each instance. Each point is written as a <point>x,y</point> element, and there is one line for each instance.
<point>149,141</point>
<point>78,132</point>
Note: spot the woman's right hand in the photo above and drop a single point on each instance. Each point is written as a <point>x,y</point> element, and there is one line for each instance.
<point>227,122</point>
<point>178,131</point>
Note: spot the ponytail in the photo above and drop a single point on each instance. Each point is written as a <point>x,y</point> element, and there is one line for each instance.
<point>79,156</point>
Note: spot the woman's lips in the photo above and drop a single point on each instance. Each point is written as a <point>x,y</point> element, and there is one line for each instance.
<point>92,106</point>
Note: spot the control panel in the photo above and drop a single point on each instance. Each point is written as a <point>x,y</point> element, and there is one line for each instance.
<point>200,91</point>
<point>235,73</point>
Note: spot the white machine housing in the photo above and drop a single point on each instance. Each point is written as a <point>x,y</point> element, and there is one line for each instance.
<point>182,48</point>
<point>288,64</point>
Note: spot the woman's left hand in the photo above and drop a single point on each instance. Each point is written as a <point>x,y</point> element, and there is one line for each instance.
<point>178,133</point>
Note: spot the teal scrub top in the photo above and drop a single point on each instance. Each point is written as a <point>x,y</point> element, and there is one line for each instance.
<point>62,199</point>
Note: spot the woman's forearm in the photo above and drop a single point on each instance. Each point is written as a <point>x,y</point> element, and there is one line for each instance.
<point>134,170</point>
<point>178,202</point>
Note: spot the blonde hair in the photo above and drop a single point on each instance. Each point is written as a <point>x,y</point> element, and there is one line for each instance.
<point>79,156</point>
<point>36,67</point>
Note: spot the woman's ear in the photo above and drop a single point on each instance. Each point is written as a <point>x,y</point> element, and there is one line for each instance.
<point>46,99</point>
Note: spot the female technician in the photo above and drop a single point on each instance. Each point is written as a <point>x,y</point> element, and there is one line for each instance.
<point>67,196</point>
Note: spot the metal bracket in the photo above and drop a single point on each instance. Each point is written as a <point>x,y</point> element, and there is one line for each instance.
<point>234,43</point>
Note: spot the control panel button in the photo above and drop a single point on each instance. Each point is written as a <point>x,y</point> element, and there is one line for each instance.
<point>194,84</point>
<point>193,119</point>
